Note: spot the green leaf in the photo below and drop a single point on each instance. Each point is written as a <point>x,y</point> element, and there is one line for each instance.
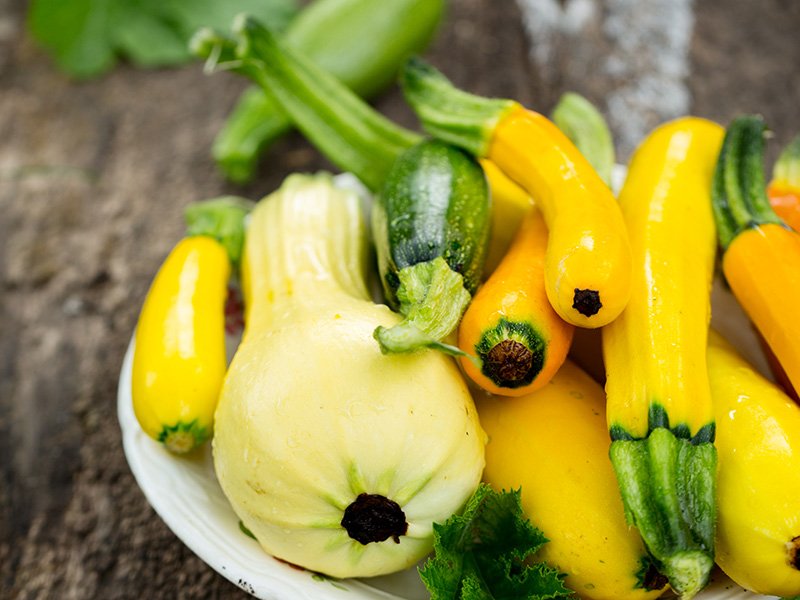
<point>481,554</point>
<point>87,37</point>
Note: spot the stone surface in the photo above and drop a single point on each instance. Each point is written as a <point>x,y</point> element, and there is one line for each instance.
<point>93,180</point>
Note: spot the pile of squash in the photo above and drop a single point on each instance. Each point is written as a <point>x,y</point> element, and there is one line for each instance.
<point>344,429</point>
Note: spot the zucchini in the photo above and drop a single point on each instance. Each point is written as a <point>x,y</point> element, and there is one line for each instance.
<point>659,412</point>
<point>362,43</point>
<point>431,227</point>
<point>761,254</point>
<point>179,358</point>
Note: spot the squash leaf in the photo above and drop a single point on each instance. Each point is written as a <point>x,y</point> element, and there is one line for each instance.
<point>88,37</point>
<point>480,554</point>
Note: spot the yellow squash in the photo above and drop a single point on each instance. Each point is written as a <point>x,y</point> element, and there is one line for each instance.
<point>179,356</point>
<point>588,268</point>
<point>659,403</point>
<point>758,488</point>
<point>553,443</point>
<point>338,458</point>
<point>510,203</point>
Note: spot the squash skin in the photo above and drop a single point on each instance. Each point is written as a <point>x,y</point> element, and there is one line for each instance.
<point>515,294</point>
<point>312,414</point>
<point>660,413</point>
<point>179,356</point>
<point>435,203</point>
<point>553,443</point>
<point>588,248</point>
<point>758,491</point>
<point>510,203</point>
<point>674,244</point>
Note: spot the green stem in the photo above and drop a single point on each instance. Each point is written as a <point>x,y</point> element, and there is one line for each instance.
<point>432,299</point>
<point>738,192</point>
<point>449,114</point>
<point>362,43</point>
<point>583,124</point>
<point>787,167</point>
<point>340,124</point>
<point>668,490</point>
<point>221,218</point>
<point>254,124</point>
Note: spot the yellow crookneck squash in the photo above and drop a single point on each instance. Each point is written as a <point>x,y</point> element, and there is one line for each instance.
<point>336,457</point>
<point>588,266</point>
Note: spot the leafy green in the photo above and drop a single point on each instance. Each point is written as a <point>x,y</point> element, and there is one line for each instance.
<point>87,37</point>
<point>480,554</point>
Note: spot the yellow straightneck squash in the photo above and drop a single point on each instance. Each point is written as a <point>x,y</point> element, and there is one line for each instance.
<point>336,457</point>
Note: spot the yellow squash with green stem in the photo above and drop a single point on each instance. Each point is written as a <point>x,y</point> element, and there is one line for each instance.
<point>761,254</point>
<point>659,403</point>
<point>179,357</point>
<point>588,268</point>
<point>758,489</point>
<point>336,457</point>
<point>553,445</point>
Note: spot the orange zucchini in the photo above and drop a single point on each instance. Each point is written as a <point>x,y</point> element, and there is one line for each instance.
<point>518,339</point>
<point>761,259</point>
<point>588,269</point>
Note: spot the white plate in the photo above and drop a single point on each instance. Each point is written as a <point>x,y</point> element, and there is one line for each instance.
<point>186,495</point>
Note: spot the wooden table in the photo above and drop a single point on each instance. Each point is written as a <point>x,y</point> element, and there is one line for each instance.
<point>93,180</point>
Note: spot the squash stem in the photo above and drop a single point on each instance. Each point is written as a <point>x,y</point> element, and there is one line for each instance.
<point>449,114</point>
<point>432,299</point>
<point>738,192</point>
<point>253,125</point>
<point>222,219</point>
<point>511,354</point>
<point>339,123</point>
<point>787,168</point>
<point>668,490</point>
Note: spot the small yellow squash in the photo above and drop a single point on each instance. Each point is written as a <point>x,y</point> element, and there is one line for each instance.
<point>179,356</point>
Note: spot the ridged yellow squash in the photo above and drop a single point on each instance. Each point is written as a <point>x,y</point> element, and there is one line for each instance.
<point>336,457</point>
<point>758,487</point>
<point>553,444</point>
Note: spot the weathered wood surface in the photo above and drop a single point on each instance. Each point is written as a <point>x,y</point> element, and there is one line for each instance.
<point>93,181</point>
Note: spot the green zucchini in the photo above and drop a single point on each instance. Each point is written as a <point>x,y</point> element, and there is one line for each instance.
<point>431,227</point>
<point>362,43</point>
